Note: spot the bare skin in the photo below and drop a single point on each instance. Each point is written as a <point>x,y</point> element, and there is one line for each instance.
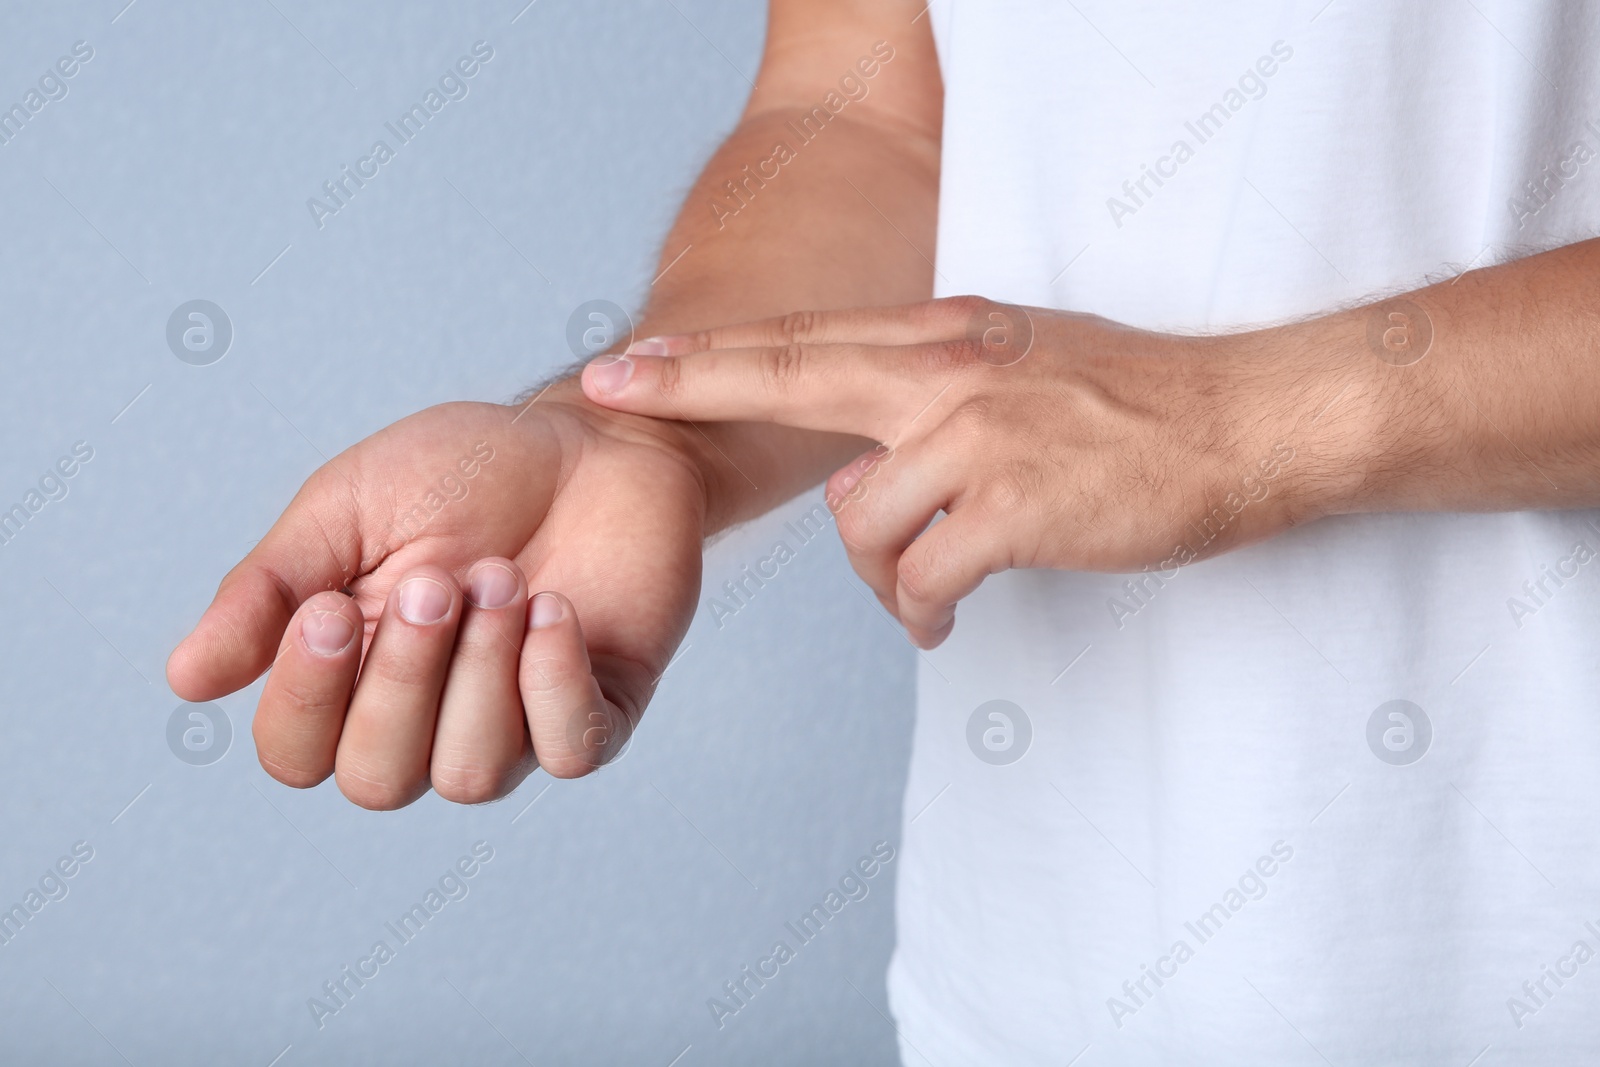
<point>1091,451</point>
<point>604,512</point>
<point>1102,448</point>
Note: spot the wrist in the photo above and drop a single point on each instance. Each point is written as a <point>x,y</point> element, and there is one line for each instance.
<point>1313,395</point>
<point>1383,428</point>
<point>675,440</point>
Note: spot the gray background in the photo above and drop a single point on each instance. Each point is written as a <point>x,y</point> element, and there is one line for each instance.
<point>217,903</point>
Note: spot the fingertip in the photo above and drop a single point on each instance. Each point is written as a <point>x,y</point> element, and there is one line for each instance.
<point>426,596</point>
<point>328,624</point>
<point>546,609</point>
<point>205,665</point>
<point>181,676</point>
<point>928,640</point>
<point>605,377</point>
<point>494,583</point>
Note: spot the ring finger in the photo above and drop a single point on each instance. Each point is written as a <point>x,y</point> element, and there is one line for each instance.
<point>481,749</point>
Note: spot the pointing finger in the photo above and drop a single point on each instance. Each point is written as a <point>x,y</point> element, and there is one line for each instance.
<point>926,321</point>
<point>858,389</point>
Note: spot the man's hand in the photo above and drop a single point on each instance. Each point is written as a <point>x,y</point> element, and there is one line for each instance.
<point>391,601</point>
<point>1059,440</point>
<point>603,510</point>
<point>1047,439</point>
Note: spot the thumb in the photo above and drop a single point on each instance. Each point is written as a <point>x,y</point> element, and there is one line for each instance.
<point>314,546</point>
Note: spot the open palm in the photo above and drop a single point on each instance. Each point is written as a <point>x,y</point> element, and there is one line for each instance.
<point>391,601</point>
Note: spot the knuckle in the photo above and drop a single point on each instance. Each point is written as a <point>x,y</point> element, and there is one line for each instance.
<point>478,656</point>
<point>669,376</point>
<point>797,326</point>
<point>1007,494</point>
<point>972,418</point>
<point>301,694</point>
<point>851,523</point>
<point>781,368</point>
<point>914,579</point>
<point>588,739</point>
<point>409,674</point>
<point>966,352</point>
<point>863,528</point>
<point>967,306</point>
<point>947,356</point>
<point>593,733</point>
<point>547,675</point>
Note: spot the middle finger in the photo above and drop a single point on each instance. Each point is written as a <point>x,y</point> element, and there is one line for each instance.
<point>388,735</point>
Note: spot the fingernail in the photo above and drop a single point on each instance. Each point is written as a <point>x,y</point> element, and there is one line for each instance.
<point>608,374</point>
<point>423,601</point>
<point>491,586</point>
<point>649,346</point>
<point>544,611</point>
<point>327,633</point>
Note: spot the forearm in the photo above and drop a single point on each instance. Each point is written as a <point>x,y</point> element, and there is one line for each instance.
<point>843,216</point>
<point>811,239</point>
<point>1500,413</point>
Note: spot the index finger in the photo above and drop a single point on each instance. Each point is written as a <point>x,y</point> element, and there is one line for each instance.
<point>930,320</point>
<point>858,389</point>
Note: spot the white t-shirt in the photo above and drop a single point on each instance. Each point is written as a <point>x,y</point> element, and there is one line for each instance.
<point>1222,843</point>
